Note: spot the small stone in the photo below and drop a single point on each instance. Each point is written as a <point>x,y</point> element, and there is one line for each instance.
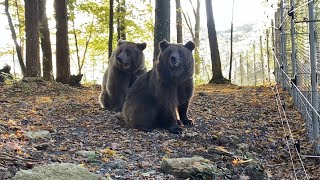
<point>190,135</point>
<point>38,134</point>
<point>87,154</point>
<point>117,164</point>
<point>149,173</point>
<point>56,171</point>
<point>42,146</point>
<point>188,167</point>
<point>255,171</point>
<point>115,146</point>
<point>244,147</point>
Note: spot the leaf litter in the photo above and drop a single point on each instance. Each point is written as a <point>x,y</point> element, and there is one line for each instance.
<point>233,127</point>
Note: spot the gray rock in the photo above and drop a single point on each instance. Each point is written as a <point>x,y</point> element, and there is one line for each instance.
<point>117,164</point>
<point>57,171</point>
<point>244,147</point>
<point>255,171</point>
<point>38,134</point>
<point>87,154</point>
<point>187,167</point>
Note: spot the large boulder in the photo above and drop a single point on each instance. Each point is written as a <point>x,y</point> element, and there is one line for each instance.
<point>57,171</point>
<point>187,167</point>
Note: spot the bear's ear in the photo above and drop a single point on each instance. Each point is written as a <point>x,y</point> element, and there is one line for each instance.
<point>190,45</point>
<point>120,41</point>
<point>142,46</point>
<point>163,45</point>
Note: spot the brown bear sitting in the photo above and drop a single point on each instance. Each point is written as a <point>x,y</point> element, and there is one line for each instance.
<point>157,97</point>
<point>125,65</point>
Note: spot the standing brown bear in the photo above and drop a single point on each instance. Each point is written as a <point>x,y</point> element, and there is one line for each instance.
<point>125,65</point>
<point>156,97</point>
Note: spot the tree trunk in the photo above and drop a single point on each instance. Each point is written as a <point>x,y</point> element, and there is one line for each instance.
<point>197,39</point>
<point>121,10</point>
<point>213,41</point>
<point>162,25</point>
<point>62,43</point>
<point>231,42</point>
<point>45,42</point>
<point>110,28</point>
<point>32,39</point>
<point>14,37</point>
<point>179,21</point>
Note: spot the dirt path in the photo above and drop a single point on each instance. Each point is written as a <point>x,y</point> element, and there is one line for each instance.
<point>243,121</point>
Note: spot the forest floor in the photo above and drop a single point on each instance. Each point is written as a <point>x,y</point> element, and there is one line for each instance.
<point>240,120</point>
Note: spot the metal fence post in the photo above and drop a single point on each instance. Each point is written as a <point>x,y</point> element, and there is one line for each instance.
<point>274,49</point>
<point>262,60</point>
<point>268,54</point>
<point>283,46</point>
<point>235,71</point>
<point>254,63</point>
<point>293,49</point>
<point>314,94</point>
<point>247,63</point>
<point>241,70</point>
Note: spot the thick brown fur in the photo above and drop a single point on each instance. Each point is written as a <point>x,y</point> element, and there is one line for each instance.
<point>157,97</point>
<point>125,65</point>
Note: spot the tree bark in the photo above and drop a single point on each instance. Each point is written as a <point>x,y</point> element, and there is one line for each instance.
<point>121,10</point>
<point>45,42</point>
<point>14,38</point>
<point>110,28</point>
<point>162,25</point>
<point>214,50</point>
<point>32,39</point>
<point>179,21</point>
<point>62,43</point>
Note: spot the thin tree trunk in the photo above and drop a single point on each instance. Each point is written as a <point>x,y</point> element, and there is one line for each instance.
<point>77,47</point>
<point>85,50</point>
<point>231,42</point>
<point>213,41</point>
<point>62,43</point>
<point>162,25</point>
<point>45,42</point>
<point>32,39</point>
<point>197,40</point>
<point>179,21</point>
<point>110,28</point>
<point>121,10</point>
<point>14,38</point>
<point>21,30</point>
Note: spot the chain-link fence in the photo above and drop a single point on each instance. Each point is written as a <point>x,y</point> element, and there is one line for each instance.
<point>290,48</point>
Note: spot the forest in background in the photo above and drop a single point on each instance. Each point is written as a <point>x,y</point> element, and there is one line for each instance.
<point>88,33</point>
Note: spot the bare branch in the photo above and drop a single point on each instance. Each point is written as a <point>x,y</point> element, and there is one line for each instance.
<point>188,22</point>
<point>193,9</point>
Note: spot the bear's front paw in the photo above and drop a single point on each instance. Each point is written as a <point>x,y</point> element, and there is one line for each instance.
<point>187,122</point>
<point>175,130</point>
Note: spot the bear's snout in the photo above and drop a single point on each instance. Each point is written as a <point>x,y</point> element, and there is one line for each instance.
<point>122,61</point>
<point>174,61</point>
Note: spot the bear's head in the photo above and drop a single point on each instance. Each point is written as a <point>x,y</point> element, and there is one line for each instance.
<point>176,60</point>
<point>129,55</point>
